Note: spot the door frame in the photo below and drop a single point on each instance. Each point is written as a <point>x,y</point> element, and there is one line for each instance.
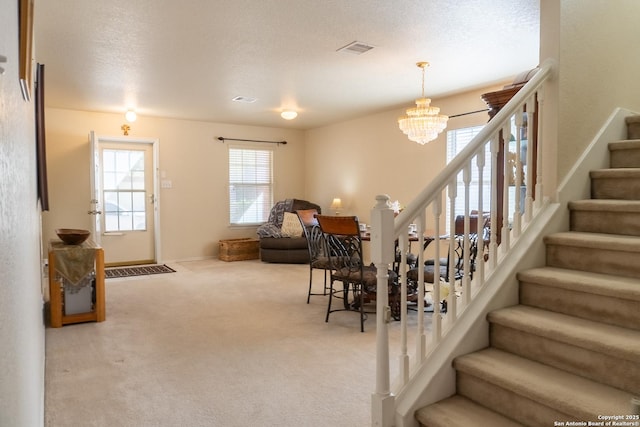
<point>95,141</point>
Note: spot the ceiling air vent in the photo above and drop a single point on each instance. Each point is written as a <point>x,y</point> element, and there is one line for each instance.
<point>356,48</point>
<point>245,99</point>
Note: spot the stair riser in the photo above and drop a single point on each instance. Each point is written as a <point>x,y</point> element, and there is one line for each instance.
<point>633,127</point>
<point>605,368</point>
<point>609,310</point>
<point>595,260</point>
<point>624,158</point>
<point>507,403</point>
<point>615,188</point>
<point>458,411</point>
<point>624,223</point>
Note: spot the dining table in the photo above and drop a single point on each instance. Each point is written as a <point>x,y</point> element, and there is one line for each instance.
<point>365,236</point>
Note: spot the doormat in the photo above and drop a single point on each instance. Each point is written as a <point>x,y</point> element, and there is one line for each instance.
<point>110,273</point>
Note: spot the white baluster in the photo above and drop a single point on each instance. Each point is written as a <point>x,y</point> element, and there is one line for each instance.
<point>403,244</point>
<point>382,243</point>
<point>517,226</point>
<point>480,160</point>
<point>436,321</point>
<point>539,195</point>
<point>451,265</point>
<point>466,265</point>
<point>421,342</point>
<point>495,227</point>
<point>504,241</point>
<point>528,209</point>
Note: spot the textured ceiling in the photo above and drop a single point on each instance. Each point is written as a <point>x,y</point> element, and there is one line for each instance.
<point>188,59</point>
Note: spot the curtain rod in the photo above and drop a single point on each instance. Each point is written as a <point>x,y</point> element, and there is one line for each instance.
<point>470,112</point>
<point>223,139</point>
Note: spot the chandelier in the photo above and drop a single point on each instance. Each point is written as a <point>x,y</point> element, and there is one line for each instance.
<point>422,123</point>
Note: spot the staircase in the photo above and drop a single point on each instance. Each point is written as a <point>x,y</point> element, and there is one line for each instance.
<point>570,351</point>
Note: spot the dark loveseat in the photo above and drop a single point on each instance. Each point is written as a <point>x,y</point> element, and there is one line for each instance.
<point>279,246</point>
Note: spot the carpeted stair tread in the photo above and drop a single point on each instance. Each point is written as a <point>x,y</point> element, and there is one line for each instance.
<point>570,394</point>
<point>624,144</point>
<point>611,205</point>
<point>584,281</point>
<point>459,411</point>
<point>615,173</point>
<point>607,339</point>
<point>614,242</point>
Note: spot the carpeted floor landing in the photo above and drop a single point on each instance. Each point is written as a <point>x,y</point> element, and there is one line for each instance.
<point>214,344</point>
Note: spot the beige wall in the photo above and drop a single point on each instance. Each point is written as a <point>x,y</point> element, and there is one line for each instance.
<point>193,214</point>
<point>21,321</point>
<point>359,159</point>
<point>373,157</point>
<point>598,70</point>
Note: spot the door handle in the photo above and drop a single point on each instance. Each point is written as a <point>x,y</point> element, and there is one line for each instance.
<point>94,212</point>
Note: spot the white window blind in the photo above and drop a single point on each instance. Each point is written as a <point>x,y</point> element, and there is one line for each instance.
<point>250,185</point>
<point>457,140</point>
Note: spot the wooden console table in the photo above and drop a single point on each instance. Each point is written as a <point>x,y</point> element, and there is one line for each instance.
<point>80,260</point>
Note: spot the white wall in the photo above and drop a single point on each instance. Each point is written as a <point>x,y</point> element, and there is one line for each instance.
<point>193,213</point>
<point>21,322</point>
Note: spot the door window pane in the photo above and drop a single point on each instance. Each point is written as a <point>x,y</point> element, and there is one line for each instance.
<point>124,196</point>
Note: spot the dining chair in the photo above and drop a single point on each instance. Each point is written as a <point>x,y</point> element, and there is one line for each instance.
<point>344,248</point>
<point>455,274</point>
<point>318,258</point>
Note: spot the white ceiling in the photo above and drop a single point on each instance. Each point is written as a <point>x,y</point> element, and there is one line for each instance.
<point>188,58</point>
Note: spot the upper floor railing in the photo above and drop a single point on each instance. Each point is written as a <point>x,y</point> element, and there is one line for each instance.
<point>508,153</point>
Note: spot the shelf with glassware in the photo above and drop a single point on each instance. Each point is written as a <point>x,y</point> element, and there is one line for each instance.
<point>513,180</point>
<point>76,283</point>
<point>529,147</point>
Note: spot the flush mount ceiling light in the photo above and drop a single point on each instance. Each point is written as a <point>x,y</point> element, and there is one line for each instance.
<point>289,114</point>
<point>131,116</point>
<point>422,123</point>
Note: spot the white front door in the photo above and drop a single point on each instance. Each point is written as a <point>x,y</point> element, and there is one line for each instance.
<point>124,199</point>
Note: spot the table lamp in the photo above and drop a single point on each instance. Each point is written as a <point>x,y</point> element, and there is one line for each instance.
<point>336,205</point>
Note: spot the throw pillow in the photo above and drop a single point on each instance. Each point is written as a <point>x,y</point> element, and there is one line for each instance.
<point>291,225</point>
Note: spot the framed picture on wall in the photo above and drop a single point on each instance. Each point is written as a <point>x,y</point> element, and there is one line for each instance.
<point>41,151</point>
<point>26,47</point>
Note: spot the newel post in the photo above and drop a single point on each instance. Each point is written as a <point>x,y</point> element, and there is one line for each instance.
<point>382,244</point>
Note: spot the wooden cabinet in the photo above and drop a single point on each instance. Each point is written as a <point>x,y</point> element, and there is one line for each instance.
<point>495,101</point>
<point>83,262</point>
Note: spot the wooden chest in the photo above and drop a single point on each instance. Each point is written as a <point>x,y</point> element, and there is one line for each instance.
<point>239,249</point>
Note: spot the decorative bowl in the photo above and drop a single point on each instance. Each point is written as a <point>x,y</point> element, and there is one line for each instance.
<point>73,236</point>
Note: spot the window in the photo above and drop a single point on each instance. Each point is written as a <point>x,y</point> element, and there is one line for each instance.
<point>457,140</point>
<point>124,193</point>
<point>250,185</point>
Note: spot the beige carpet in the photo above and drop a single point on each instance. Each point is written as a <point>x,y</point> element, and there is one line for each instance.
<point>214,344</point>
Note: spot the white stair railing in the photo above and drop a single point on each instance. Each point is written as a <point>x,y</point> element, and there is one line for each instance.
<point>426,211</point>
